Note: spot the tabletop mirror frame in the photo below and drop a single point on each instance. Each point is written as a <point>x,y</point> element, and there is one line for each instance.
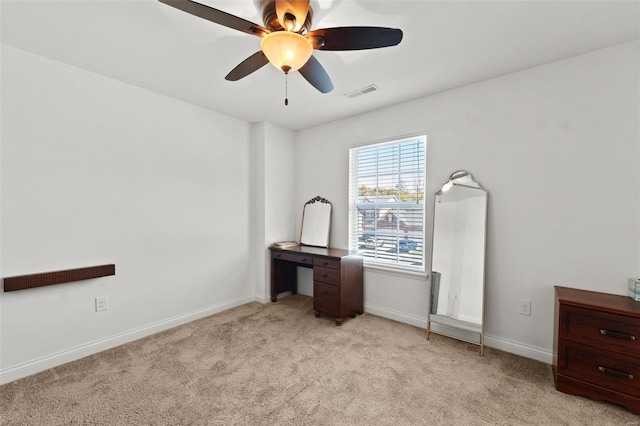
<point>450,325</point>
<point>316,222</point>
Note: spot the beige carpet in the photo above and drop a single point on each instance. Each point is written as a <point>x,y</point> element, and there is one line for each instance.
<point>277,364</point>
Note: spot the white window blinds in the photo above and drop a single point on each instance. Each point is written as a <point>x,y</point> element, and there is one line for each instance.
<point>386,202</point>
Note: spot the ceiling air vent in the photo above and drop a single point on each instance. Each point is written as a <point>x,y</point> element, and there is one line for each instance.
<point>367,89</point>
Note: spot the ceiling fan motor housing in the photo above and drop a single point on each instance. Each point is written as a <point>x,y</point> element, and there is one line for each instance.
<point>272,23</point>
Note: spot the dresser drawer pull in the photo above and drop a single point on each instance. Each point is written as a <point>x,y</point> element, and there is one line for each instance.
<point>615,373</point>
<point>617,335</point>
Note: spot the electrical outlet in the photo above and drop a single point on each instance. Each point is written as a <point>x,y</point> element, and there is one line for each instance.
<point>524,307</point>
<point>102,303</point>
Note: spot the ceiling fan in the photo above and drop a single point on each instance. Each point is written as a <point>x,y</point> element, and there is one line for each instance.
<point>287,41</point>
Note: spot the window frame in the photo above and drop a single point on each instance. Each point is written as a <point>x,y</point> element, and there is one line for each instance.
<point>357,240</point>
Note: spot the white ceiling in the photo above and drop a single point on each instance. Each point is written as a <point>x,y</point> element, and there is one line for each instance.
<point>446,44</point>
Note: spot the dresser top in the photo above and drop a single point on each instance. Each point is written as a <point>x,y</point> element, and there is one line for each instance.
<point>595,300</point>
<point>318,251</point>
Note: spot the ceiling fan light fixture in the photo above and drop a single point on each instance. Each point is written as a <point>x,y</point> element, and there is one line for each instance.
<point>286,50</point>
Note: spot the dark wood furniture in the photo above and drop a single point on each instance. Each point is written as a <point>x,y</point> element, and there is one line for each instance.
<point>42,279</point>
<point>596,351</point>
<point>337,278</point>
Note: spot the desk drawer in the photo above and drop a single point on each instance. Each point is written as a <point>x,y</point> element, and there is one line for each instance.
<point>597,366</point>
<point>326,275</point>
<point>326,298</point>
<point>294,257</point>
<point>616,332</point>
<point>326,263</point>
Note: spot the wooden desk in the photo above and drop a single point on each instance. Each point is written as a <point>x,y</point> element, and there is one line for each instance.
<point>337,278</point>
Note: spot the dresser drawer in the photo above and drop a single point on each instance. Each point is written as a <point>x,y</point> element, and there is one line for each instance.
<point>326,298</point>
<point>294,257</point>
<point>620,373</point>
<point>619,333</point>
<point>596,350</point>
<point>326,275</point>
<point>327,263</point>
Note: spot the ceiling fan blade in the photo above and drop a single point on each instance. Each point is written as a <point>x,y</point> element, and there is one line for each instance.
<point>315,74</point>
<point>217,16</point>
<point>354,38</point>
<point>246,67</point>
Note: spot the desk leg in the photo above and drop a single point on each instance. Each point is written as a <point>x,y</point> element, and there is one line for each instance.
<point>284,277</point>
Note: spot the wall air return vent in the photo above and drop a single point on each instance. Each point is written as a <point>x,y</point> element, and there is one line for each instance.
<point>367,89</point>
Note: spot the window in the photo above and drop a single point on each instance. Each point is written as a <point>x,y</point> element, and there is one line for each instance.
<point>386,202</point>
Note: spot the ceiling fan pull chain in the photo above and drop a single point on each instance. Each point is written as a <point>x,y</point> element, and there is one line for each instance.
<point>286,88</point>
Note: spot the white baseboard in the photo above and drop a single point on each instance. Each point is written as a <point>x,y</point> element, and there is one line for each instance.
<point>518,348</point>
<point>396,315</point>
<point>491,341</point>
<point>262,298</point>
<point>35,366</point>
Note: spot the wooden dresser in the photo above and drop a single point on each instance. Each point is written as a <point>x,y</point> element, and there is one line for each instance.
<point>596,350</point>
<point>337,278</point>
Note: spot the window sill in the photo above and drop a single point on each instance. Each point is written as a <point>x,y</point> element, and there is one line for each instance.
<point>418,275</point>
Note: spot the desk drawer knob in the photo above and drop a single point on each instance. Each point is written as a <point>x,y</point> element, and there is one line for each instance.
<point>615,373</point>
<point>616,335</point>
<point>304,259</point>
<point>278,256</point>
<point>325,275</point>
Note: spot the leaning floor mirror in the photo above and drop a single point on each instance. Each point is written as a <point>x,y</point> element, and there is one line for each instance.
<point>458,260</point>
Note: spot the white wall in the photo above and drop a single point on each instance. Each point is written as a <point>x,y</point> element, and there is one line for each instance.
<point>556,146</point>
<point>274,171</point>
<point>95,171</point>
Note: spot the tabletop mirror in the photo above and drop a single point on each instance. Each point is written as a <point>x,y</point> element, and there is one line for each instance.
<point>458,260</point>
<point>316,222</point>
